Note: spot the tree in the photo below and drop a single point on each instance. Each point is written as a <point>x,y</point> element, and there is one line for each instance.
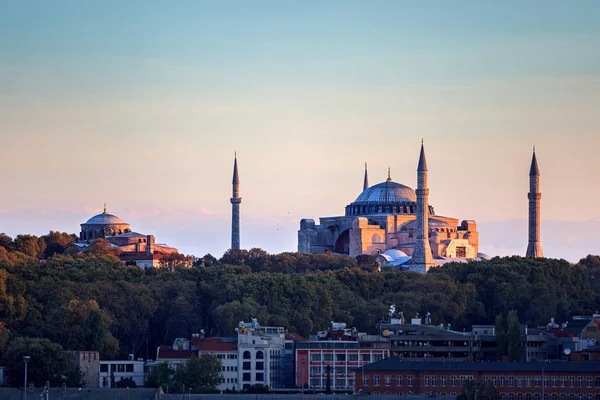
<point>48,363</point>
<point>513,336</point>
<point>500,328</point>
<point>5,241</point>
<point>30,245</point>
<point>160,376</point>
<point>126,383</point>
<point>198,374</point>
<point>477,390</point>
<point>102,247</point>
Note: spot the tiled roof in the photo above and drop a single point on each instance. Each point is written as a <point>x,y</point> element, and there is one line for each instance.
<point>218,346</point>
<point>295,337</point>
<point>397,364</point>
<point>166,352</point>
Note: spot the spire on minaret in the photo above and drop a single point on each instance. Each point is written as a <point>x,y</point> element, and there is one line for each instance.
<point>534,170</point>
<point>105,209</point>
<point>366,181</point>
<point>534,248</point>
<point>235,206</point>
<point>422,258</point>
<point>422,160</point>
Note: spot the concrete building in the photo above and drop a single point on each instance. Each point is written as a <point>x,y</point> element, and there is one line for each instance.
<point>332,358</point>
<point>390,216</point>
<point>557,380</point>
<point>88,363</point>
<point>113,371</point>
<point>225,350</point>
<point>260,355</point>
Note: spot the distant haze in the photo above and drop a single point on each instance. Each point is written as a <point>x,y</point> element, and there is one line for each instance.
<point>142,105</point>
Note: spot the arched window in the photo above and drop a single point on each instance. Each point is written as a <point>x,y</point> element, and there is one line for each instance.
<point>247,355</point>
<point>260,355</point>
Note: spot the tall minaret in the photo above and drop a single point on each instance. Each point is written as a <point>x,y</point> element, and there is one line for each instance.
<point>534,248</point>
<point>366,181</point>
<point>422,259</point>
<point>235,207</point>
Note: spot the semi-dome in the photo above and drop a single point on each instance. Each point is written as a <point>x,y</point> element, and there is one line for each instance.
<point>105,219</point>
<point>387,192</point>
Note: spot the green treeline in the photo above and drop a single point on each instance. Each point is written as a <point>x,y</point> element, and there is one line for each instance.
<point>94,302</point>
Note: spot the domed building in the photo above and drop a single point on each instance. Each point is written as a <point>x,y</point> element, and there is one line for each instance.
<point>134,247</point>
<point>384,217</point>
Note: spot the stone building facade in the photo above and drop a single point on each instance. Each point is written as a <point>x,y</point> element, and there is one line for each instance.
<point>384,217</point>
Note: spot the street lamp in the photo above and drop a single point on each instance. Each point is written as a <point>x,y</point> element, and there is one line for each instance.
<point>25,360</point>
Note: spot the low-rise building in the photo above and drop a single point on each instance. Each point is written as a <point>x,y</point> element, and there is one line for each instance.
<point>225,350</point>
<point>555,380</point>
<point>330,360</point>
<point>114,371</point>
<point>88,363</point>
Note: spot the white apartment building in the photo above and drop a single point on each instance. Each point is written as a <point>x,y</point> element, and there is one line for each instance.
<point>225,350</point>
<point>112,372</point>
<point>260,355</point>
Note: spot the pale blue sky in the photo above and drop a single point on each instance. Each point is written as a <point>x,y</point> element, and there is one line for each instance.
<point>142,103</point>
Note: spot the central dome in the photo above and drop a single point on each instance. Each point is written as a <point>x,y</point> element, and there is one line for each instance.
<point>105,219</point>
<point>387,192</point>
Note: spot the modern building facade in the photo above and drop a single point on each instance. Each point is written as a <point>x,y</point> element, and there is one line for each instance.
<point>114,371</point>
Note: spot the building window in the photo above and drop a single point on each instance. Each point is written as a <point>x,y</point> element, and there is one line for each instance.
<point>598,381</point>
<point>589,396</point>
<point>545,396</point>
<point>537,380</point>
<point>580,381</point>
<point>247,355</point>
<point>247,376</point>
<point>365,380</point>
<point>260,376</point>
<point>563,396</point>
<point>494,381</point>
<point>247,365</point>
<point>511,396</point>
<point>528,381</point>
<point>340,357</point>
<point>129,368</point>
<point>554,396</point>
<point>519,396</point>
<point>376,380</point>
<point>580,396</point>
<point>103,367</point>
<point>410,380</point>
<point>426,380</point>
<point>546,381</point>
<point>511,381</point>
<point>572,381</point>
<point>537,396</point>
<point>352,357</point>
<point>502,396</point>
<point>486,380</point>
<point>260,355</point>
<point>502,381</point>
<point>563,381</point>
<point>315,357</point>
<point>328,357</point>
<point>443,380</point>
<point>589,381</point>
<point>462,380</point>
<point>260,365</point>
<point>554,381</point>
<point>453,380</point>
<point>528,396</point>
<point>388,380</point>
<point>519,381</point>
<point>434,381</point>
<point>398,380</point>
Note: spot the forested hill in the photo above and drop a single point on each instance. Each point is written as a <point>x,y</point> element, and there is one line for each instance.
<point>94,302</point>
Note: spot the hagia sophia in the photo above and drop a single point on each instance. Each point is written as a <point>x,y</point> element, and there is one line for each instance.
<point>397,225</point>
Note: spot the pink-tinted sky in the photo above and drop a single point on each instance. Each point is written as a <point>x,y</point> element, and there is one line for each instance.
<point>142,106</point>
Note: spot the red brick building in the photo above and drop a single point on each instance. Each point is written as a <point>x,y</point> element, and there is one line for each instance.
<point>556,380</point>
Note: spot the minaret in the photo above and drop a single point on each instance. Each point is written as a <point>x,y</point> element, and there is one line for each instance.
<point>422,259</point>
<point>235,208</point>
<point>534,248</point>
<point>366,181</point>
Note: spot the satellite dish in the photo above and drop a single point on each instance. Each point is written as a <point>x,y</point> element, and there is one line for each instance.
<point>567,351</point>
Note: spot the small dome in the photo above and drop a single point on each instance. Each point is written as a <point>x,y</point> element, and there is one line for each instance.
<point>483,256</point>
<point>387,192</point>
<point>432,222</point>
<point>104,219</point>
<point>394,253</point>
